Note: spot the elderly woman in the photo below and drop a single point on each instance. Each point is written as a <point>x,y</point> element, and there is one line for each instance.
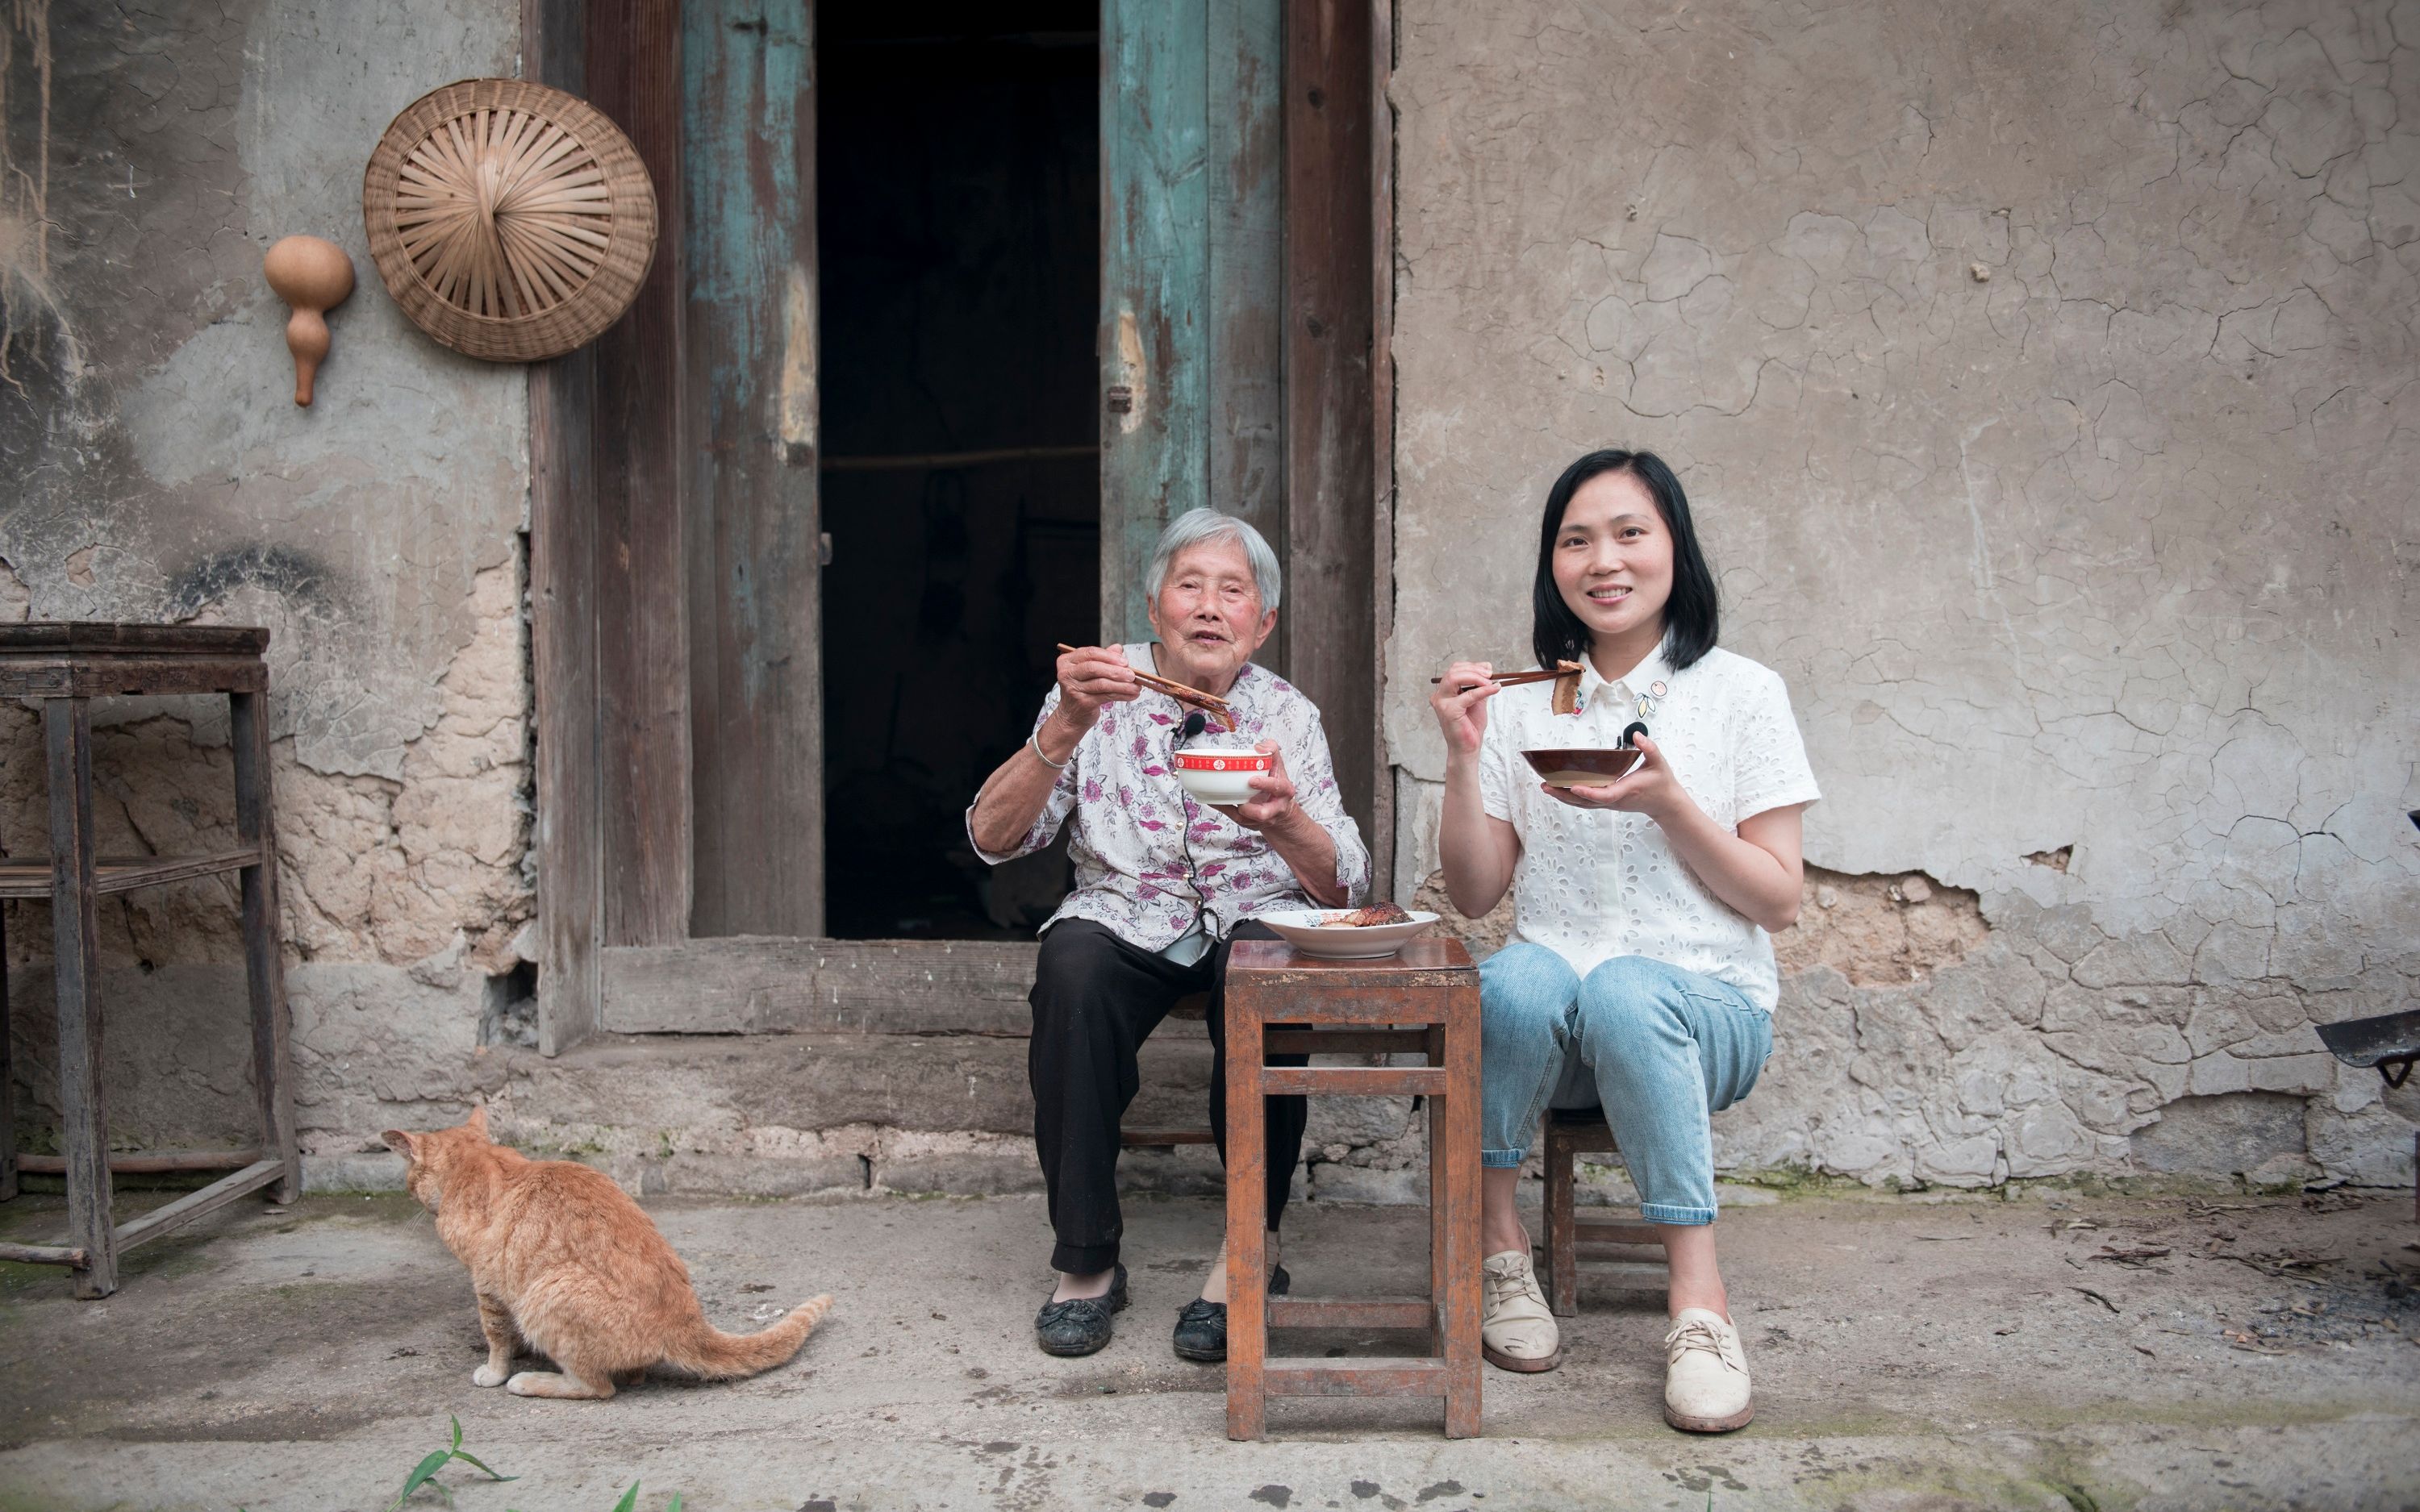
<point>1164,886</point>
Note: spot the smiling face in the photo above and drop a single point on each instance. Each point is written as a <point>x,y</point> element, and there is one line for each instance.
<point>1208,615</point>
<point>1613,561</point>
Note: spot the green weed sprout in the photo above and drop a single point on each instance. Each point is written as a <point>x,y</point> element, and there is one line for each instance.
<point>437,1460</point>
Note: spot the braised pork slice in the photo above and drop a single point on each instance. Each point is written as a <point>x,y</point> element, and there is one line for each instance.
<point>1365,917</point>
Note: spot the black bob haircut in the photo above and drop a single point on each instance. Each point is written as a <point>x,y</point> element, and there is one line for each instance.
<point>1689,617</point>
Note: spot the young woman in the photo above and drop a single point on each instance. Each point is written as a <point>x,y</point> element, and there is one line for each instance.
<point>1640,978</point>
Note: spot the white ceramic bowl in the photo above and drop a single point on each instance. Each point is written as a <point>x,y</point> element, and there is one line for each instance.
<point>1221,774</point>
<point>1307,930</point>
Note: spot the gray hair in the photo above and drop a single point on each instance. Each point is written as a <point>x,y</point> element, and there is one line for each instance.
<point>1201,526</point>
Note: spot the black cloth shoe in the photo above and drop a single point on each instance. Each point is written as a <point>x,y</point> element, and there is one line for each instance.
<point>1202,1326</point>
<point>1081,1326</point>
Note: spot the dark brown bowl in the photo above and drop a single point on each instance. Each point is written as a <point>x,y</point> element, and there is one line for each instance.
<point>1577,768</point>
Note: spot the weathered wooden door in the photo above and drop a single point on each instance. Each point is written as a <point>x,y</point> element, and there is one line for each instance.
<point>675,550</point>
<point>1192,280</point>
<point>674,538</point>
<point>1237,337</point>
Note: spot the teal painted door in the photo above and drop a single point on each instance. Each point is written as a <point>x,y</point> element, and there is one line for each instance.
<point>1192,268</point>
<point>751,448</point>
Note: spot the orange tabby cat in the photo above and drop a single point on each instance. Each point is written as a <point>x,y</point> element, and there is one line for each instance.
<point>561,1258</point>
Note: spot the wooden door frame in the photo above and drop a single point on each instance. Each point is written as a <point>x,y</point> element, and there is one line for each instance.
<point>588,509</point>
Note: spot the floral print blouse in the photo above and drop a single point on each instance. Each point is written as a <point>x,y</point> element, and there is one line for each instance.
<point>1147,855</point>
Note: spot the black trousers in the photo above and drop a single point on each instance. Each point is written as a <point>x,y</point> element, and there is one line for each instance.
<point>1095,999</point>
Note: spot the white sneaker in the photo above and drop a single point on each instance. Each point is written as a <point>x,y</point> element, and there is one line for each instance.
<point>1515,1330</point>
<point>1705,1375</point>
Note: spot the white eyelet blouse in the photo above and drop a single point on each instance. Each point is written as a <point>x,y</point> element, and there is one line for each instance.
<point>1596,884</point>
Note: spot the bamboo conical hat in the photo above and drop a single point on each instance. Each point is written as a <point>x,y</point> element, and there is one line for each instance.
<point>510,220</point>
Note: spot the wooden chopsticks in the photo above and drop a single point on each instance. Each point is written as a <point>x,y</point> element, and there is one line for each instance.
<point>1562,669</point>
<point>1181,693</point>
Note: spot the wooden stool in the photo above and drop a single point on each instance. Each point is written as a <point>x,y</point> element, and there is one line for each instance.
<point>1274,998</point>
<point>1583,1131</point>
<point>65,666</point>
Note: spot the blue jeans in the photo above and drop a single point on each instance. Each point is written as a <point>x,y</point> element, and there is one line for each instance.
<point>1660,1049</point>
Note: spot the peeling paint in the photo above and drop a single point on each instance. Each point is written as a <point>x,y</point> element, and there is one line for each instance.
<point>798,404</point>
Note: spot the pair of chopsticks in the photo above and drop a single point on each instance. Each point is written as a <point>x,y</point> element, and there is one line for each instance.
<point>1181,693</point>
<point>1562,669</point>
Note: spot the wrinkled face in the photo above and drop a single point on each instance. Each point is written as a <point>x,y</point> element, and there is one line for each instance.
<point>1208,615</point>
<point>429,1155</point>
<point>1613,557</point>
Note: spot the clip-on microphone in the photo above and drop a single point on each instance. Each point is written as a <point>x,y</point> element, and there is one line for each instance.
<point>1194,724</point>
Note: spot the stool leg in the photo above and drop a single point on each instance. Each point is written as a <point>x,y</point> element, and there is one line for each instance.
<point>264,965</point>
<point>8,1079</point>
<point>1248,1179</point>
<point>1440,1280</point>
<point>1562,1225</point>
<point>66,734</point>
<point>1460,1302</point>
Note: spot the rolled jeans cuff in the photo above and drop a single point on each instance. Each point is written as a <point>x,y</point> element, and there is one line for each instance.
<point>1503,1160</point>
<point>1657,1213</point>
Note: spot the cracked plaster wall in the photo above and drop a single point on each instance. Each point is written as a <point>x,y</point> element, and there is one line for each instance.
<point>161,471</point>
<point>2043,377</point>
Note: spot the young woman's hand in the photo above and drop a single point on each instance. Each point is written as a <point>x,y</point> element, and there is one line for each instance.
<point>1460,702</point>
<point>1649,788</point>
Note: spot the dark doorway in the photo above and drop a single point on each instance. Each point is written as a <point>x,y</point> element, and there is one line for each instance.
<point>958,190</point>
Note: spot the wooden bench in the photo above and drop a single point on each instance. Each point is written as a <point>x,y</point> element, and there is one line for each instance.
<point>1613,1239</point>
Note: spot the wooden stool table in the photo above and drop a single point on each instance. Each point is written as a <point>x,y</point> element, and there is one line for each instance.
<point>1633,1249</point>
<point>65,666</point>
<point>1424,1001</point>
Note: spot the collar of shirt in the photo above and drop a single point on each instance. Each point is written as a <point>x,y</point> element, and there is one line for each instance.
<point>1629,685</point>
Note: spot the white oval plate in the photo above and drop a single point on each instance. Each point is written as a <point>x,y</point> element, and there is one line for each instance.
<point>1301,928</point>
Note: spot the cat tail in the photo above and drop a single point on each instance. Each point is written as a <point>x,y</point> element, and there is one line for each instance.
<point>719,1356</point>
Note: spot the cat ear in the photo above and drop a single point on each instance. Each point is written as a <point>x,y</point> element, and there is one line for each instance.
<point>398,1141</point>
<point>477,1120</point>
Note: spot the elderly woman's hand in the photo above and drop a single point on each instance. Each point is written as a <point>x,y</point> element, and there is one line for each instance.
<point>1090,678</point>
<point>1271,809</point>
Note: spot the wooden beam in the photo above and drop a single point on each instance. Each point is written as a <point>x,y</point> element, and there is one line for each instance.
<point>1356,1312</point>
<point>1383,1377</point>
<point>148,1164</point>
<point>756,632</point>
<point>75,961</point>
<point>1244,299</point>
<point>1329,309</point>
<point>1354,1081</point>
<point>1380,832</point>
<point>193,1205</point>
<point>758,985</point>
<point>563,621</point>
<point>634,76</point>
<point>45,1254</point>
<point>1155,282</point>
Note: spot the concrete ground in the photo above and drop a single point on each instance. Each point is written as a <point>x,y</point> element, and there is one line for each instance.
<point>2039,1352</point>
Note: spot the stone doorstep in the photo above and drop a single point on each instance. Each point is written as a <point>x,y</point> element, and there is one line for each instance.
<point>922,1115</point>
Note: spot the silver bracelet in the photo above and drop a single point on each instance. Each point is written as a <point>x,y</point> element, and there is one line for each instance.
<point>1034,740</point>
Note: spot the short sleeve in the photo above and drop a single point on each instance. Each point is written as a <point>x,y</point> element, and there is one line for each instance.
<point>1054,810</point>
<point>1495,765</point>
<point>1769,767</point>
